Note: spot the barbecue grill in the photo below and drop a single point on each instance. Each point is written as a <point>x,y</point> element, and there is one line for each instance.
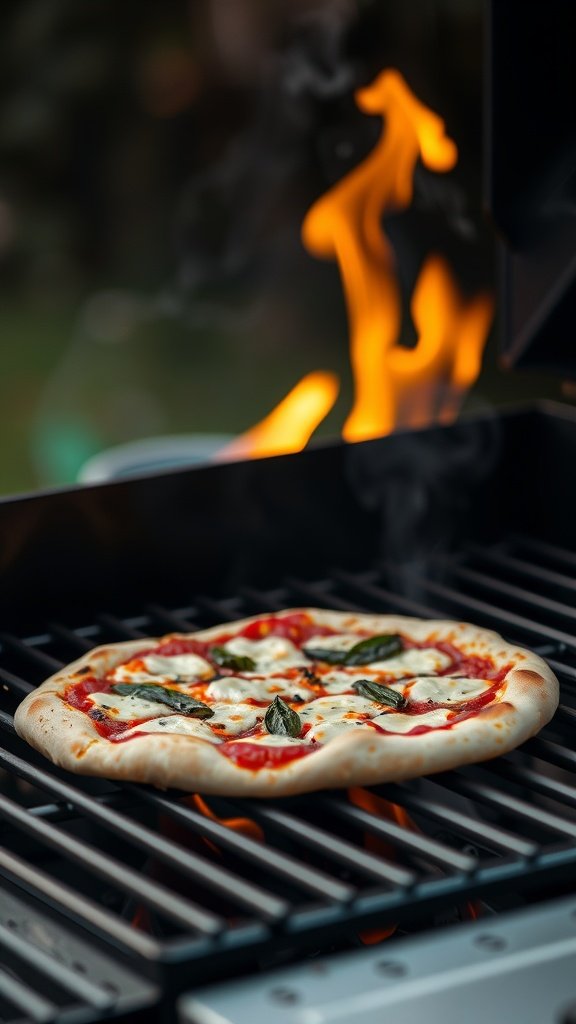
<point>119,901</point>
<point>121,898</point>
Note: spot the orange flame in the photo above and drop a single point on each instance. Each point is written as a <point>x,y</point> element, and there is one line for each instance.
<point>396,386</point>
<point>246,826</point>
<point>380,809</point>
<point>290,425</point>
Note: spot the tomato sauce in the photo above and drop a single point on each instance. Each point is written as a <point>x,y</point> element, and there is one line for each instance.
<point>77,696</point>
<point>255,755</point>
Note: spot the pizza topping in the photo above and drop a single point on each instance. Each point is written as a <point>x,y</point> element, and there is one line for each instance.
<point>276,702</point>
<point>323,732</point>
<point>237,662</point>
<point>392,722</point>
<point>343,706</point>
<point>175,724</point>
<point>175,699</point>
<point>274,740</point>
<point>342,650</point>
<point>272,654</point>
<point>276,752</point>
<point>235,718</point>
<point>342,680</point>
<point>233,688</point>
<point>281,720</point>
<point>173,668</point>
<point>444,689</point>
<point>416,661</point>
<point>124,708</point>
<point>381,694</point>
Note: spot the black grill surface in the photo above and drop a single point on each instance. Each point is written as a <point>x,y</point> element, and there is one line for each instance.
<point>172,895</point>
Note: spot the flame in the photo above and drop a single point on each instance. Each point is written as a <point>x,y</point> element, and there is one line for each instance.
<point>394,385</point>
<point>290,425</point>
<point>246,826</point>
<point>380,808</point>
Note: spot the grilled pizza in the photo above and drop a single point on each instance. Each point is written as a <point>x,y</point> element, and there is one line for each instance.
<point>301,700</point>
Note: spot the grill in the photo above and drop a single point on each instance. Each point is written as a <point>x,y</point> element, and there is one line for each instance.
<point>116,898</point>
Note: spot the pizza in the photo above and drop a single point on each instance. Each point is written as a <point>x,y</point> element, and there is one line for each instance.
<point>301,700</point>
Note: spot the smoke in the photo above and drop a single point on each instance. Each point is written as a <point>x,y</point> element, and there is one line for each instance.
<point>430,490</point>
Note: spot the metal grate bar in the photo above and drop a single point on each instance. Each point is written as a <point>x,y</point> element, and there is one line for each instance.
<point>177,622</point>
<point>268,600</point>
<point>166,903</point>
<point>414,842</point>
<point>543,549</point>
<point>495,614</point>
<point>30,652</point>
<point>509,590</point>
<point>320,595</point>
<point>220,611</point>
<point>298,874</point>
<point>75,984</point>
<point>509,804</point>
<point>81,907</point>
<point>364,587</point>
<point>22,686</point>
<point>7,722</point>
<point>36,1007</point>
<point>123,630</point>
<point>209,874</point>
<point>523,567</point>
<point>332,846</point>
<point>478,831</point>
<point>554,753</point>
<point>72,639</point>
<point>536,782</point>
<point>566,671</point>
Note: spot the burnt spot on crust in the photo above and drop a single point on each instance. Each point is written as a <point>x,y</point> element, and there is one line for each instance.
<point>527,677</point>
<point>36,706</point>
<point>82,671</point>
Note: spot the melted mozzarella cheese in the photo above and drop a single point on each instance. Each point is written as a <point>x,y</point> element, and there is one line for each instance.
<point>125,708</point>
<point>340,681</point>
<point>272,654</point>
<point>329,709</point>
<point>236,718</point>
<point>412,663</point>
<point>337,642</point>
<point>397,722</point>
<point>163,668</point>
<point>445,688</point>
<point>180,724</point>
<point>323,732</point>
<point>272,740</point>
<point>235,689</point>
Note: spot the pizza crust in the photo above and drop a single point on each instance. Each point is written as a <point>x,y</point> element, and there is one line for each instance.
<point>359,757</point>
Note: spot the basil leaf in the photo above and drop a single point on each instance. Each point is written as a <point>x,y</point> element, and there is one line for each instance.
<point>176,700</point>
<point>373,648</point>
<point>238,662</point>
<point>330,657</point>
<point>381,694</point>
<point>280,720</point>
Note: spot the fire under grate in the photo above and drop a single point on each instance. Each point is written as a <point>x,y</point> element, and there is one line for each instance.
<point>183,898</point>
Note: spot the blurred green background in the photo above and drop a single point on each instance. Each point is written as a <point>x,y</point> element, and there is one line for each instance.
<point>156,161</point>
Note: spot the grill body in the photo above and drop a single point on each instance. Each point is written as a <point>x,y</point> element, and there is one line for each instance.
<point>471,522</point>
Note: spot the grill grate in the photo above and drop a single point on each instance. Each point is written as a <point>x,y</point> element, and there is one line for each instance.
<point>138,869</point>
